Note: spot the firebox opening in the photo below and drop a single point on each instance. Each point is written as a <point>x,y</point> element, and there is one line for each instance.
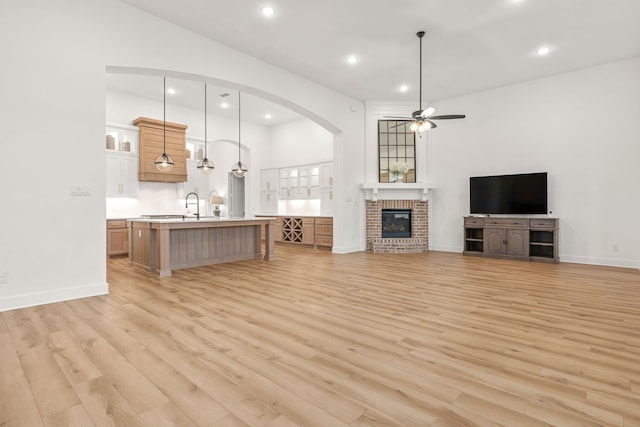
<point>396,223</point>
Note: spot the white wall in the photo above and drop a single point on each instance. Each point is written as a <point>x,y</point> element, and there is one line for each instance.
<point>298,142</point>
<point>580,127</point>
<point>53,107</point>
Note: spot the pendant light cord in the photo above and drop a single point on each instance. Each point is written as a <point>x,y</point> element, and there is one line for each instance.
<point>164,116</point>
<point>205,121</point>
<point>238,127</point>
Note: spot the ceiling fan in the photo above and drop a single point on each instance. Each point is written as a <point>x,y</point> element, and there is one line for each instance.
<point>423,119</point>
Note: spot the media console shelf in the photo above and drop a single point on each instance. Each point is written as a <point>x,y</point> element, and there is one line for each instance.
<point>529,239</point>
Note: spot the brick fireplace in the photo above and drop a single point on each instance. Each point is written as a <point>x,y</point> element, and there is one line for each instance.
<point>419,240</point>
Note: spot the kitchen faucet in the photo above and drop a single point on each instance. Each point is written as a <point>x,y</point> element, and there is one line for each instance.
<point>186,203</point>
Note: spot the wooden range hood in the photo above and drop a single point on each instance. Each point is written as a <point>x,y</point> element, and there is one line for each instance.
<point>151,144</point>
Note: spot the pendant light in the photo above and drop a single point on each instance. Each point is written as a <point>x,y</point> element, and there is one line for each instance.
<point>164,162</point>
<point>239,169</point>
<point>205,165</point>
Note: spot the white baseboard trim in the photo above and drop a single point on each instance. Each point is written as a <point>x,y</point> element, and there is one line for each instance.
<point>446,249</point>
<point>608,262</point>
<point>346,249</point>
<point>576,259</point>
<point>48,297</point>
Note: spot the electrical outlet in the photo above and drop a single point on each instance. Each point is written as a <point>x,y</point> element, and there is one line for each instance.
<point>4,277</point>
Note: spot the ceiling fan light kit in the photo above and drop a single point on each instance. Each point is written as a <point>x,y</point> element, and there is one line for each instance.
<point>423,119</point>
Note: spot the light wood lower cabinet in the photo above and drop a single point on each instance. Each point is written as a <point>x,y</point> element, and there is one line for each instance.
<point>324,232</point>
<point>314,231</point>
<point>117,237</point>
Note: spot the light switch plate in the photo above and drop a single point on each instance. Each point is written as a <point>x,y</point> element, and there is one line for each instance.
<point>75,190</point>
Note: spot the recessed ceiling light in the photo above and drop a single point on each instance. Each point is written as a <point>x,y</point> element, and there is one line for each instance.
<point>267,116</point>
<point>404,88</point>
<point>268,11</point>
<point>543,50</point>
<point>171,91</point>
<point>224,105</point>
<point>352,59</point>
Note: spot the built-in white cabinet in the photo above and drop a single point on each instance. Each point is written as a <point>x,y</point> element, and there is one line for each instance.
<point>195,150</point>
<point>269,202</point>
<point>122,175</point>
<point>196,182</point>
<point>307,182</point>
<point>269,180</point>
<point>326,175</point>
<point>269,185</point>
<point>121,148</point>
<point>326,189</point>
<point>121,139</point>
<point>288,184</point>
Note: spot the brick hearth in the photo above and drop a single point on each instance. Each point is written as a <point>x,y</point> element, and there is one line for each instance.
<point>419,240</point>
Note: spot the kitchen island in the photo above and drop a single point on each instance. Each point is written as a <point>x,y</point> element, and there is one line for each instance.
<point>165,244</point>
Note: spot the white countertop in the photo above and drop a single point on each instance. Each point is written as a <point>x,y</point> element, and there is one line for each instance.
<point>296,215</point>
<point>193,219</point>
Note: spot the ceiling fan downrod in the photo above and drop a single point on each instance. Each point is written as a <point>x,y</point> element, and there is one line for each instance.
<point>420,35</point>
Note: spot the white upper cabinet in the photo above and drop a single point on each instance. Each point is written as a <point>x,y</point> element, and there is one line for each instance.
<point>122,175</point>
<point>121,158</point>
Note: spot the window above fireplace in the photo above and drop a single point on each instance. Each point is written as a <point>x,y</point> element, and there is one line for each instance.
<point>396,145</point>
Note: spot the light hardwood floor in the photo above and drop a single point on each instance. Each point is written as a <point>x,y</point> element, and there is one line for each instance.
<point>317,339</point>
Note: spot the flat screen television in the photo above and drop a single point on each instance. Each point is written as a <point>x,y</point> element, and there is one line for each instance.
<point>508,194</point>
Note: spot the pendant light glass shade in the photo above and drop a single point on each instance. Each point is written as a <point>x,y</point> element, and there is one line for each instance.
<point>239,169</point>
<point>164,162</point>
<point>205,165</point>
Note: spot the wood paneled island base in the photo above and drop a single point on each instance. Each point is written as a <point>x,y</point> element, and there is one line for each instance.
<point>162,245</point>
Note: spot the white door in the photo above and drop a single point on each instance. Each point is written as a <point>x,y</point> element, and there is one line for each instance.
<point>236,196</point>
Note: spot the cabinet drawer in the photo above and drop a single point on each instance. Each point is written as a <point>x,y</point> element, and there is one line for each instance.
<point>116,223</point>
<point>324,221</point>
<point>506,222</point>
<point>473,221</point>
<point>324,240</point>
<point>543,223</point>
<point>325,230</point>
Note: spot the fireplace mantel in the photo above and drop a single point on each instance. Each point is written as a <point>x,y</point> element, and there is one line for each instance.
<point>375,191</point>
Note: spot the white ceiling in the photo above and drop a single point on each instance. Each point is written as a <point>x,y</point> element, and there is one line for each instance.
<point>190,94</point>
<point>471,45</point>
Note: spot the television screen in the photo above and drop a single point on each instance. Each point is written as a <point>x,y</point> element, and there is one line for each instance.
<point>509,194</point>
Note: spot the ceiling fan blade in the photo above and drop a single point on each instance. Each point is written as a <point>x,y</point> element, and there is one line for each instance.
<point>447,117</point>
<point>404,123</point>
<point>433,125</point>
<point>398,117</point>
<point>427,112</point>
